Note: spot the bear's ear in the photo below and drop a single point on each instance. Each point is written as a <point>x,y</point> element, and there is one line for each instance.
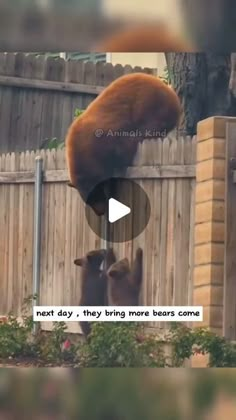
<point>119,269</point>
<point>79,262</point>
<point>90,258</point>
<point>114,274</point>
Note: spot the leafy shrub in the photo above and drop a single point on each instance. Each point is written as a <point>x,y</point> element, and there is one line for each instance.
<point>78,112</point>
<point>56,347</point>
<point>187,342</point>
<point>16,339</point>
<point>53,143</point>
<point>118,344</point>
<point>111,344</point>
<point>51,349</point>
<point>15,336</point>
<point>12,338</point>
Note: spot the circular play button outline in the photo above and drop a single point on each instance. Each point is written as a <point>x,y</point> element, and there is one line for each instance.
<point>128,211</point>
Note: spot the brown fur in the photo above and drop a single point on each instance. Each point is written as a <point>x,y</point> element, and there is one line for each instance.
<point>94,280</point>
<point>124,282</point>
<point>132,102</point>
<point>145,38</point>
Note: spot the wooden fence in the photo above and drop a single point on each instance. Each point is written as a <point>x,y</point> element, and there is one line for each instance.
<point>229,302</point>
<point>38,96</point>
<point>167,241</point>
<point>214,276</point>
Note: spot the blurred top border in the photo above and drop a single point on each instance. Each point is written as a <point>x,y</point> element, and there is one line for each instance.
<point>38,29</point>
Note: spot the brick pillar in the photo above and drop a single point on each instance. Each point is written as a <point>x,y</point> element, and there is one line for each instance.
<point>209,225</point>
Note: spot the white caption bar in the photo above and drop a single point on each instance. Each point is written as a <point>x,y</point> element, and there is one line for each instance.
<point>118,313</point>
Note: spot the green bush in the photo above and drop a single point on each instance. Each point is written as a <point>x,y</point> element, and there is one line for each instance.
<point>118,344</point>
<point>15,336</point>
<point>56,347</point>
<point>12,338</point>
<point>53,143</point>
<point>187,342</point>
<point>111,344</point>
<point>78,112</point>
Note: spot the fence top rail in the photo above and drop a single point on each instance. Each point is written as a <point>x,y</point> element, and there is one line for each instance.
<point>61,175</point>
<point>25,83</point>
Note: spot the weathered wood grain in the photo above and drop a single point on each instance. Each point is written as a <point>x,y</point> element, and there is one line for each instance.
<point>229,326</point>
<point>27,83</point>
<point>145,172</point>
<point>39,95</point>
<point>165,169</point>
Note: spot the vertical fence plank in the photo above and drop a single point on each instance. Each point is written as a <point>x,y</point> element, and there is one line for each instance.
<point>35,127</point>
<point>51,231</point>
<point>24,70</point>
<point>7,101</point>
<point>118,71</point>
<point>229,323</point>
<point>80,77</point>
<point>21,228</point>
<point>3,141</point>
<point>157,229</point>
<point>14,246</point>
<point>180,272</point>
<point>89,79</point>
<point>164,224</point>
<point>171,228</point>
<point>28,228</point>
<point>76,242</point>
<point>58,74</point>
<point>68,111</point>
<point>30,64</point>
<point>4,228</point>
<point>59,233</point>
<point>16,106</point>
<point>68,276</point>
<point>44,237</point>
<point>47,132</point>
<point>150,232</point>
<point>47,220</point>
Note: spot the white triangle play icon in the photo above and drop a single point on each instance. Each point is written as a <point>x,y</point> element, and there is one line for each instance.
<point>117,210</point>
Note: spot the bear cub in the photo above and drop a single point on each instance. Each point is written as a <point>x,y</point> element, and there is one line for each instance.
<point>94,280</point>
<point>124,281</point>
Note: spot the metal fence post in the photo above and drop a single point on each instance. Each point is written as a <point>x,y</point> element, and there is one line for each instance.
<point>106,226</point>
<point>37,230</point>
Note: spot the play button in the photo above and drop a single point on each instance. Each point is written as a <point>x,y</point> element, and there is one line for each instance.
<point>116,210</point>
<point>127,210</point>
